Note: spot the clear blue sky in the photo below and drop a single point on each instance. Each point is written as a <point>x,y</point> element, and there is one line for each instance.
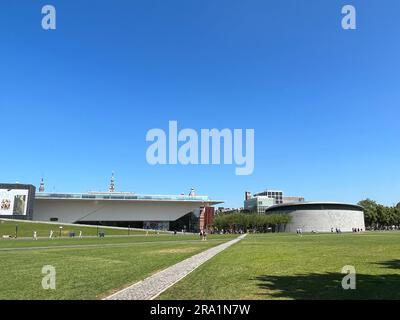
<point>76,102</point>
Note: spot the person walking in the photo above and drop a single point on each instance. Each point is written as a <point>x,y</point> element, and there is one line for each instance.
<point>34,235</point>
<point>51,234</point>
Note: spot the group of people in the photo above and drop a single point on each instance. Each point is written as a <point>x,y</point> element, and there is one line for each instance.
<point>228,231</point>
<point>203,235</point>
<point>337,230</point>
<point>357,229</point>
<point>51,235</point>
<point>299,231</point>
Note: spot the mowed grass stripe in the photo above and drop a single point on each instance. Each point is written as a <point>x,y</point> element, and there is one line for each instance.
<point>10,244</point>
<point>294,267</point>
<point>25,229</point>
<point>104,245</point>
<point>89,274</point>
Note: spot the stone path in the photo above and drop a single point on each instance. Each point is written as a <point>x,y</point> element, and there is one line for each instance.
<point>154,285</point>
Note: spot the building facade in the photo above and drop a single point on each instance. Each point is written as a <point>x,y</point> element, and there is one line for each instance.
<point>277,195</point>
<point>321,216</point>
<point>261,201</point>
<point>258,204</point>
<point>17,201</point>
<point>121,209</point>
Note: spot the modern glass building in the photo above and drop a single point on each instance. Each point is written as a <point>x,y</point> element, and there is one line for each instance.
<point>258,204</point>
<point>263,200</point>
<point>277,195</point>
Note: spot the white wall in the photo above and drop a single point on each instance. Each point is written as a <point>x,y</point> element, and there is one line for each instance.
<point>324,220</point>
<point>70,211</point>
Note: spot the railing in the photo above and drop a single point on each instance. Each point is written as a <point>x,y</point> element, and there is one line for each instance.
<point>118,196</point>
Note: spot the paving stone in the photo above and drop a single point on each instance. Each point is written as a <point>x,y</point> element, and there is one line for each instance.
<point>154,285</point>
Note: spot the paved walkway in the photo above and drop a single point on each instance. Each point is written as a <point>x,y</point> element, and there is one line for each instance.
<point>154,285</point>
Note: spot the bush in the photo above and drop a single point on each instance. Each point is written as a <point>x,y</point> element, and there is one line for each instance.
<point>255,222</point>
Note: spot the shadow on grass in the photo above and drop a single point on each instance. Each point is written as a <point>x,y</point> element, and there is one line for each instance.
<point>390,264</point>
<point>320,286</point>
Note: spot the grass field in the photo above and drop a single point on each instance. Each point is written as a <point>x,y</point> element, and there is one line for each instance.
<point>270,266</point>
<point>25,229</point>
<point>90,268</point>
<point>286,266</point>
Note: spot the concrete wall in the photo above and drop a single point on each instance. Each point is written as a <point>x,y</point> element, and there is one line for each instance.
<point>71,211</point>
<point>324,220</point>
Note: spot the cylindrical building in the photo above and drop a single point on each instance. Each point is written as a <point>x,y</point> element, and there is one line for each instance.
<point>321,216</point>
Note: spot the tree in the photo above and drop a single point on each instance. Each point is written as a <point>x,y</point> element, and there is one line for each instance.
<point>378,216</point>
<point>370,212</point>
<point>254,221</point>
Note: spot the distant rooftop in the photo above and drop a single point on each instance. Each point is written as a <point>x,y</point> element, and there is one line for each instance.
<point>313,204</point>
<point>128,196</point>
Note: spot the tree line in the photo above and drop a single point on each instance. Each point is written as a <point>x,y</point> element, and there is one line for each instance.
<point>377,217</point>
<point>380,217</point>
<point>246,222</point>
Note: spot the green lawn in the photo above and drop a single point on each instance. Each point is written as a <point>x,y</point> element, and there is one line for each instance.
<point>28,244</point>
<point>25,229</point>
<point>90,268</point>
<point>272,266</point>
<point>287,266</point>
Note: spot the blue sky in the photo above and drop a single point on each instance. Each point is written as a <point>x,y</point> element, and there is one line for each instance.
<point>77,102</point>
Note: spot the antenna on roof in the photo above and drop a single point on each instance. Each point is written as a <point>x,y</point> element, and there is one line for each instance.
<point>112,183</point>
<point>41,187</point>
